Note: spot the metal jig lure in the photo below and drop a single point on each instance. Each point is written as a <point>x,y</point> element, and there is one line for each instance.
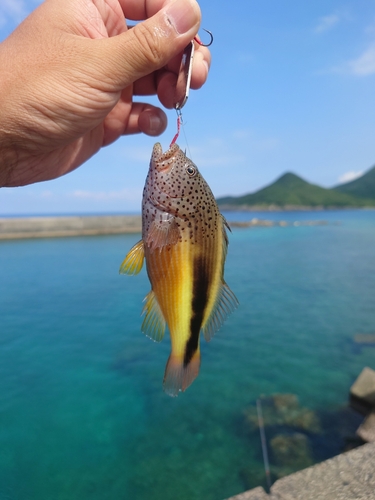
<point>184,78</point>
<point>184,74</point>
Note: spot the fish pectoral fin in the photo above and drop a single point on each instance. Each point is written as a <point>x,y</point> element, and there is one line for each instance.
<point>133,262</point>
<point>225,304</point>
<point>153,325</point>
<point>163,233</point>
<point>179,376</point>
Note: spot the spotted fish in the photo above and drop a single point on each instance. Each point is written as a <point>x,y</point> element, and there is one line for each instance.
<point>184,242</point>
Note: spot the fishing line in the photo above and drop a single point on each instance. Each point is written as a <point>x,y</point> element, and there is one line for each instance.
<point>185,137</point>
<point>180,124</point>
<point>264,444</point>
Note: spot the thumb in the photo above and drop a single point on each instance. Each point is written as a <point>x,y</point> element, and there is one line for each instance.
<point>149,45</point>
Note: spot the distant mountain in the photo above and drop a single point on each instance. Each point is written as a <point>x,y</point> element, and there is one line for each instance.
<point>290,189</point>
<point>363,187</point>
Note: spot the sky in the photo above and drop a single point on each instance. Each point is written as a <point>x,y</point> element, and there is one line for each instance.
<point>291,89</point>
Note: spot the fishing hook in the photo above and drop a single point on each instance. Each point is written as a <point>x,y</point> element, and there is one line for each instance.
<point>205,44</point>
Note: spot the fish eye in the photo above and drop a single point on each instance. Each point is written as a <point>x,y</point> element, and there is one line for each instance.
<point>191,170</point>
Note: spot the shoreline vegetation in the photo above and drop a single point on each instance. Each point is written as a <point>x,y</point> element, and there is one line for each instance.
<point>95,225</point>
<point>290,191</point>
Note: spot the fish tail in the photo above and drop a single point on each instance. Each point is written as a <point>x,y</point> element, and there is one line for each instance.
<point>178,375</point>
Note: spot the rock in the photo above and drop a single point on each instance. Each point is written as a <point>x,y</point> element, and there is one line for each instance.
<point>270,223</point>
<point>291,450</point>
<point>254,494</point>
<point>283,410</point>
<point>362,392</point>
<point>365,339</point>
<point>366,431</point>
<point>349,476</point>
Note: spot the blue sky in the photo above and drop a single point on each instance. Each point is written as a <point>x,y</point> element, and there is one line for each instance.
<point>291,88</point>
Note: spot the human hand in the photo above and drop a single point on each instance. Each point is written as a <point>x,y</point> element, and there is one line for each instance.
<point>69,73</point>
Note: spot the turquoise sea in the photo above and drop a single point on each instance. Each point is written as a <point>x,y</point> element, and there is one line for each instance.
<point>82,411</point>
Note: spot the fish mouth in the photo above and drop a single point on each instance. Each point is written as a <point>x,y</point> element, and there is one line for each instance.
<point>163,162</point>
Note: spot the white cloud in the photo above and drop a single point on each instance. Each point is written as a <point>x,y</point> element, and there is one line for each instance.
<point>365,64</point>
<point>350,176</point>
<point>259,143</point>
<point>47,194</point>
<point>123,194</point>
<point>138,154</point>
<point>244,58</point>
<point>326,23</point>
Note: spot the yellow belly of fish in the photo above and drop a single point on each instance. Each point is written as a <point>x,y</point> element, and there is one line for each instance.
<point>171,273</point>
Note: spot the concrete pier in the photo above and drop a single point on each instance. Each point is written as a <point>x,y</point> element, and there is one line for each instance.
<point>52,227</point>
<point>349,476</point>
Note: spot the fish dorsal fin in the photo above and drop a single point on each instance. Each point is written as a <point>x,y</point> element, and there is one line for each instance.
<point>133,261</point>
<point>163,233</point>
<point>226,303</point>
<point>153,325</point>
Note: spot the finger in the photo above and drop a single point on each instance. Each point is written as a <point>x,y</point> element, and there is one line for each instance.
<point>152,121</point>
<point>146,85</point>
<point>166,89</point>
<point>133,118</point>
<point>201,66</point>
<point>147,47</point>
<point>163,82</point>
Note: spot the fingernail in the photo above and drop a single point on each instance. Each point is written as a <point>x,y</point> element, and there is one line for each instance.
<point>183,15</point>
<point>154,125</point>
<point>152,121</point>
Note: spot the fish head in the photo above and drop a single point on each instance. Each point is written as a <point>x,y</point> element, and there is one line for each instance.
<point>174,183</point>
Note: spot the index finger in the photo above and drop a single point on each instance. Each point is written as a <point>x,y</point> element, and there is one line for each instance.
<point>138,10</point>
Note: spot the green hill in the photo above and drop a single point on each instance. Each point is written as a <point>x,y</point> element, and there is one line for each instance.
<point>290,189</point>
<point>363,187</point>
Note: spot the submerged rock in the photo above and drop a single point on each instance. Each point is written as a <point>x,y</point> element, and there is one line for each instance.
<point>291,451</point>
<point>283,410</point>
<point>364,339</point>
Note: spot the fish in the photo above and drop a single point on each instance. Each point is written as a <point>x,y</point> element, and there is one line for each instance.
<point>184,243</point>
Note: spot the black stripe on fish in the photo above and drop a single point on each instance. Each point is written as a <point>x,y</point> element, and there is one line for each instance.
<point>199,302</point>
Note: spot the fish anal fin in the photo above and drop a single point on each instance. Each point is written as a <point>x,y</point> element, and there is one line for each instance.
<point>225,304</point>
<point>179,376</point>
<point>162,233</point>
<point>133,261</point>
<point>153,325</point>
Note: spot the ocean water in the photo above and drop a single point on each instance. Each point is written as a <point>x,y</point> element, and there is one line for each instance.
<point>82,411</point>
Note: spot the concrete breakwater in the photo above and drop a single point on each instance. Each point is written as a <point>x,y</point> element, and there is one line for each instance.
<point>52,227</point>
<point>89,225</point>
<point>348,476</point>
<point>282,223</point>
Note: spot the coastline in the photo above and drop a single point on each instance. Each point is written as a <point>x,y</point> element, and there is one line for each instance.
<point>56,227</point>
<point>95,225</point>
<point>286,208</point>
